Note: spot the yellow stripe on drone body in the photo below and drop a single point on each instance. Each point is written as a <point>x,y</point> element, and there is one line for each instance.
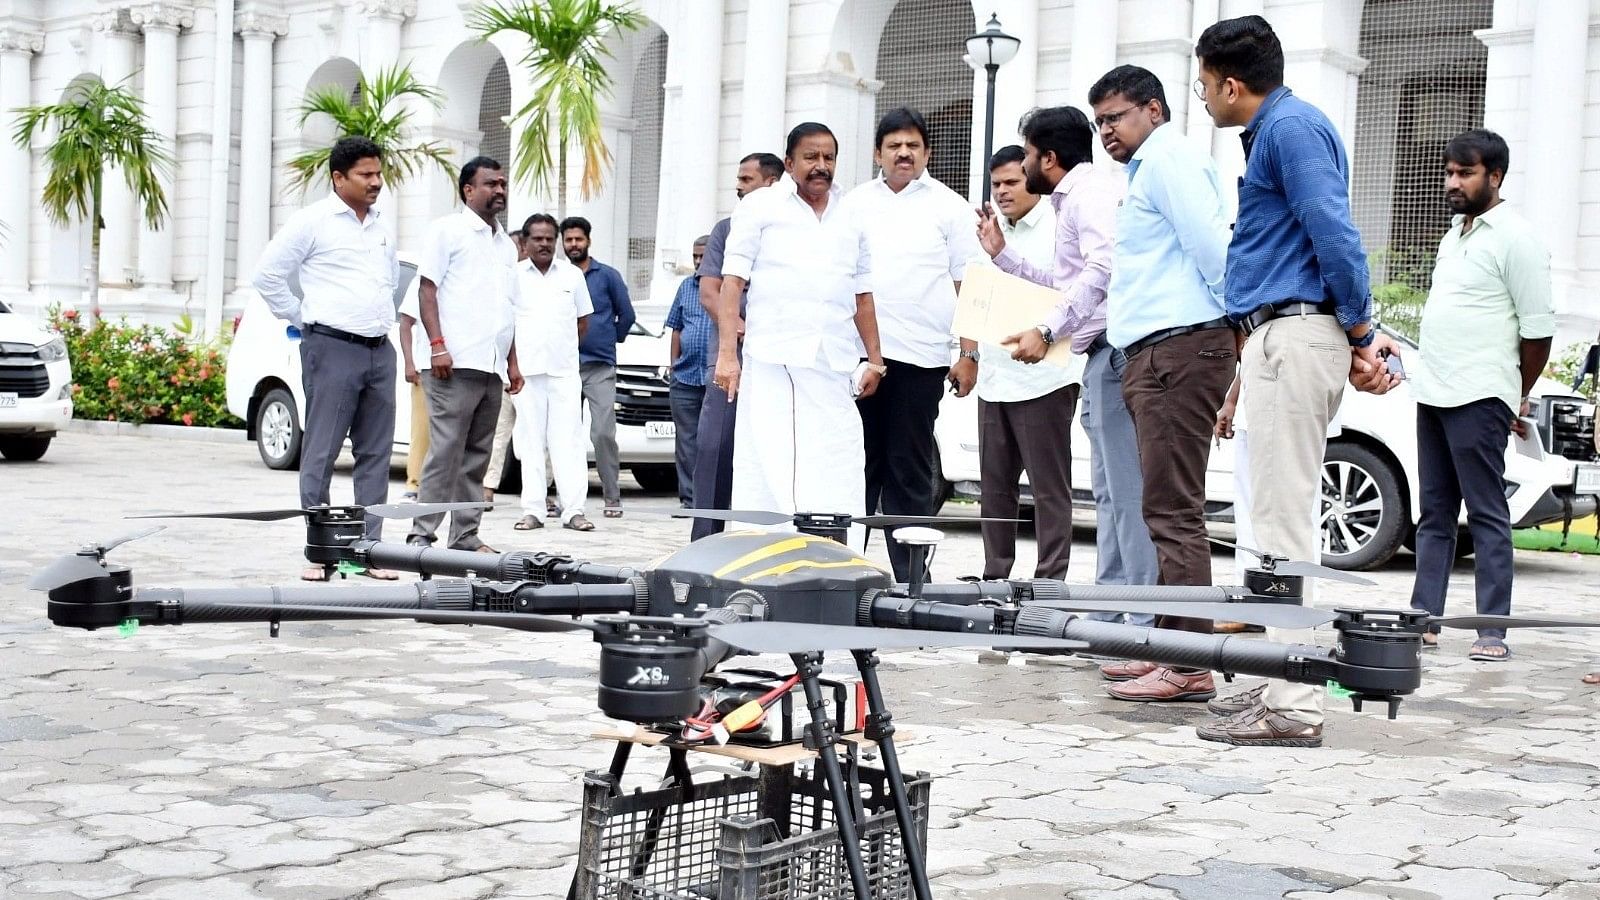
<point>786,568</point>
<point>767,552</point>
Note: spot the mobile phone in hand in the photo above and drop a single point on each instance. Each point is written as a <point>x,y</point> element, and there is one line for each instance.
<point>1393,364</point>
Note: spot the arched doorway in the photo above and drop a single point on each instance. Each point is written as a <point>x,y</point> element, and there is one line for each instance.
<point>920,64</point>
<point>1424,84</point>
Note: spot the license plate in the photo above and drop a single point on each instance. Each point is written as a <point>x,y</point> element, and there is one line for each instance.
<point>660,430</point>
<point>8,401</point>
<point>1587,480</point>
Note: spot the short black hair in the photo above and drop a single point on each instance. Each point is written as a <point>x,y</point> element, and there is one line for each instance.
<point>805,130</point>
<point>578,222</point>
<point>1006,155</point>
<point>770,164</point>
<point>1062,130</point>
<point>701,241</point>
<point>1479,147</point>
<point>1138,84</point>
<point>901,118</point>
<point>1245,49</point>
<point>470,171</point>
<point>539,219</point>
<point>347,151</point>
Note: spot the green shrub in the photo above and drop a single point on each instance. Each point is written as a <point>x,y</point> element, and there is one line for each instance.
<point>145,373</point>
<point>1563,367</point>
<point>1398,305</point>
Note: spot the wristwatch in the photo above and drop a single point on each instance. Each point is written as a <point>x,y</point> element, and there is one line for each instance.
<point>970,354</point>
<point>1366,339</point>
<point>1045,332</point>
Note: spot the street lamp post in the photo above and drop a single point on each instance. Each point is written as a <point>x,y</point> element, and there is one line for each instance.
<point>990,48</point>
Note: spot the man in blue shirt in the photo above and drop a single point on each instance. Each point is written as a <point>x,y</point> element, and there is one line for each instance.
<point>597,355</point>
<point>1297,287</point>
<point>1164,313</point>
<point>692,332</point>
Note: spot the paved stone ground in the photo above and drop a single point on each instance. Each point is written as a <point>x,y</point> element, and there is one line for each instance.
<point>411,761</point>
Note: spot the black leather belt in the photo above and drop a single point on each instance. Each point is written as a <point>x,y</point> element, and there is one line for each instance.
<point>363,340</point>
<point>1095,346</point>
<point>1150,340</point>
<point>1266,314</point>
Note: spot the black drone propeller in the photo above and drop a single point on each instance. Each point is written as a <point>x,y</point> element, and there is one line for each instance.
<point>1280,615</point>
<point>87,563</point>
<point>1285,566</point>
<point>772,517</point>
<point>755,637</point>
<point>1275,615</point>
<point>382,510</point>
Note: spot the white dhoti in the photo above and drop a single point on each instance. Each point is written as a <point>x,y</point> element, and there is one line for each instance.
<point>550,420</point>
<point>797,442</point>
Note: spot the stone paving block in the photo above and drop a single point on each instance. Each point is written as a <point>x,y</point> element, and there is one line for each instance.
<point>1233,881</point>
<point>54,842</point>
<point>91,881</point>
<point>470,887</point>
<point>161,862</point>
<point>199,813</point>
<point>1131,892</point>
<point>144,828</point>
<point>1428,883</point>
<point>352,875</point>
<point>1328,863</point>
<point>223,887</point>
<point>1195,782</point>
<point>1028,875</point>
<point>1554,858</point>
<point>262,846</point>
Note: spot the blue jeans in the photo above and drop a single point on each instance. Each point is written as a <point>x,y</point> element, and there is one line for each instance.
<point>1123,550</point>
<point>686,400</point>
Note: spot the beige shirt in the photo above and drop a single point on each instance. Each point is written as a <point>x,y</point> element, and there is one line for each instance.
<point>1491,291</point>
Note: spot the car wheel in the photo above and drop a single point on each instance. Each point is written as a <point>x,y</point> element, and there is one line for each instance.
<point>277,428</point>
<point>656,479</point>
<point>24,448</point>
<point>1363,509</point>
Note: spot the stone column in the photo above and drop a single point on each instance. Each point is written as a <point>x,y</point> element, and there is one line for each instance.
<point>161,22</point>
<point>117,202</point>
<point>1094,53</point>
<point>255,140</point>
<point>16,202</point>
<point>762,126</point>
<point>1556,99</point>
<point>380,49</point>
<point>697,127</point>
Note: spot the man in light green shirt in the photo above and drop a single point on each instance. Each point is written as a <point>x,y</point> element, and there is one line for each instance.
<point>1486,332</point>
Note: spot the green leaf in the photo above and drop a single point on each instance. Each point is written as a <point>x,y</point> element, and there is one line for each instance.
<point>379,114</point>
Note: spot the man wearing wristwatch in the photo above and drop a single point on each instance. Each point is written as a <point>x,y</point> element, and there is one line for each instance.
<point>809,321</point>
<point>1297,288</point>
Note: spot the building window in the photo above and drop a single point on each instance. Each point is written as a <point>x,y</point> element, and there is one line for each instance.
<point>919,63</point>
<point>644,166</point>
<point>494,105</point>
<point>1423,85</point>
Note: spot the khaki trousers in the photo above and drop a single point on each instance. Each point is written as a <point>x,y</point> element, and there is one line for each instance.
<point>418,450</point>
<point>1294,371</point>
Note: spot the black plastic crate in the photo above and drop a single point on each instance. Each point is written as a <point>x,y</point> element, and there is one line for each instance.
<point>771,836</point>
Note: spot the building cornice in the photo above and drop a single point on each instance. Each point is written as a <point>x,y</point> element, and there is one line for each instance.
<point>829,78</point>
<point>1503,37</point>
<point>1339,59</point>
<point>15,39</point>
<point>1180,46</point>
<point>399,10</point>
<point>162,14</point>
<point>116,21</point>
<point>258,20</point>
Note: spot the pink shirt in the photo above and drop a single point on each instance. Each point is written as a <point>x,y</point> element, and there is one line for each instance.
<point>1085,201</point>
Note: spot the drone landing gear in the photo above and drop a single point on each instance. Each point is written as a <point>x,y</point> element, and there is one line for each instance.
<point>880,729</point>
<point>820,737</point>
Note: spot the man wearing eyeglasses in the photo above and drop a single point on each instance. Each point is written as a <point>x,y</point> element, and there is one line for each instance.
<point>1164,312</point>
<point>1298,290</point>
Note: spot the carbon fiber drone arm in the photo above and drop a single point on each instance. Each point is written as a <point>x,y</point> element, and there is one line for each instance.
<point>539,568</point>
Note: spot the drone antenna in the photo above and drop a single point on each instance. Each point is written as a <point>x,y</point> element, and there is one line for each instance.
<point>921,542</point>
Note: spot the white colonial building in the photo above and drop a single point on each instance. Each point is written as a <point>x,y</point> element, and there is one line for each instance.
<point>706,81</point>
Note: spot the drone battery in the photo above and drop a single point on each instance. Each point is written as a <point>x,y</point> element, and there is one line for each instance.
<point>786,719</point>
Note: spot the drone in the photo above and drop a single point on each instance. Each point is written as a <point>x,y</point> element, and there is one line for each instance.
<point>663,629</point>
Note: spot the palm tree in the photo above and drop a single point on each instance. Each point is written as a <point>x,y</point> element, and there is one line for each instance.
<point>368,115</point>
<point>566,59</point>
<point>96,125</point>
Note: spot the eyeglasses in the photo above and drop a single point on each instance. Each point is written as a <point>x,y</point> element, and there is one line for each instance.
<point>1113,118</point>
<point>1199,89</point>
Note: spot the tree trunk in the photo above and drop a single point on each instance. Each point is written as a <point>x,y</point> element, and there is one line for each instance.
<point>561,181</point>
<point>95,226</point>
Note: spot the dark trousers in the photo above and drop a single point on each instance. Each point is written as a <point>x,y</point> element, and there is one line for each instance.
<point>897,428</point>
<point>462,412</point>
<point>1461,456</point>
<point>1033,435</point>
<point>713,461</point>
<point>1173,390</point>
<point>349,392</point>
<point>686,402</point>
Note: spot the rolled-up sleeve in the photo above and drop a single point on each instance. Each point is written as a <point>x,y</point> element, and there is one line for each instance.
<point>279,262</point>
<point>1526,270</point>
<point>744,238</point>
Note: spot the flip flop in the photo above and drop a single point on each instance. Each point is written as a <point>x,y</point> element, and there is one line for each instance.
<point>314,573</point>
<point>578,523</point>
<point>613,509</point>
<point>380,574</point>
<point>1592,678</point>
<point>528,523</point>
<point>1428,644</point>
<point>1480,650</point>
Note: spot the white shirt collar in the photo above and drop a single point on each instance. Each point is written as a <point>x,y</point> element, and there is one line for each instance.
<point>337,207</point>
<point>478,223</point>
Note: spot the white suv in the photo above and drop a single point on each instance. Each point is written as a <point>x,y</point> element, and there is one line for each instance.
<point>1370,503</point>
<point>35,387</point>
<point>264,389</point>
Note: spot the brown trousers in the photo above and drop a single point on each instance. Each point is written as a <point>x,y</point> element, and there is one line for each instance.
<point>1035,435</point>
<point>1173,390</point>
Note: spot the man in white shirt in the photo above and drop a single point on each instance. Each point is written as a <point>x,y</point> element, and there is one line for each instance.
<point>468,272</point>
<point>809,320</point>
<point>921,237</point>
<point>347,273</point>
<point>552,304</point>
<point>1024,410</point>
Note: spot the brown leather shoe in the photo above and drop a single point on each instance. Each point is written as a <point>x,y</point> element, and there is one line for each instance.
<point>1234,704</point>
<point>1261,728</point>
<point>1164,685</point>
<point>1127,671</point>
